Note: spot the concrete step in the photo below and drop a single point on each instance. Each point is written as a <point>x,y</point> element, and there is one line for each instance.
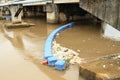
<point>105,68</point>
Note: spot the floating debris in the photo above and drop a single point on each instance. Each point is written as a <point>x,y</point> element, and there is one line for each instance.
<point>112,56</point>
<point>63,53</point>
<point>104,66</point>
<point>44,62</point>
<point>57,34</point>
<point>118,57</point>
<point>78,50</point>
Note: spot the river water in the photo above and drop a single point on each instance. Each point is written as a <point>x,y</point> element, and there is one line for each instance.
<point>21,49</point>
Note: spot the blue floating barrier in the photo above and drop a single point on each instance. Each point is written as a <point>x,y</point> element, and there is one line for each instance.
<point>51,61</point>
<point>49,40</point>
<point>60,65</point>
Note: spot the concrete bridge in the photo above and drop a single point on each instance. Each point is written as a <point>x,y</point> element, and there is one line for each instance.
<point>107,11</point>
<point>50,7</point>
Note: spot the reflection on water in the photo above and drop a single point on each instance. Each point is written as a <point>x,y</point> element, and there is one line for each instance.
<point>15,38</point>
<point>21,50</point>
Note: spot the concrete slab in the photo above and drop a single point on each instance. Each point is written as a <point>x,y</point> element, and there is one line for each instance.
<point>105,68</point>
<point>72,72</point>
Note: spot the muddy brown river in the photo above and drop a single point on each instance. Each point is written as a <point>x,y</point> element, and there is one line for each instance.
<point>21,49</point>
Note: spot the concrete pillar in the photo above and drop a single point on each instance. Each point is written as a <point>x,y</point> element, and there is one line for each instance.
<point>52,13</point>
<point>16,13</point>
<point>0,13</point>
<point>110,32</point>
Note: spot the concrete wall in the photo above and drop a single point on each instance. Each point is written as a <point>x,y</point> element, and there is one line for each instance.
<point>110,32</point>
<point>0,13</point>
<point>52,13</point>
<point>13,10</point>
<point>106,10</point>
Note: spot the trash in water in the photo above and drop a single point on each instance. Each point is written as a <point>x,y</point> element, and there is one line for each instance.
<point>78,50</point>
<point>63,53</point>
<point>112,57</point>
<point>58,48</point>
<point>57,34</point>
<point>104,66</point>
<point>44,62</point>
<point>118,57</point>
<point>66,50</point>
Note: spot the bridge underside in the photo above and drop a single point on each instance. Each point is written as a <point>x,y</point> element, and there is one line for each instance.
<point>106,10</point>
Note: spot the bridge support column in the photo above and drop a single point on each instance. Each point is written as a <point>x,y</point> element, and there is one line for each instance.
<point>52,13</point>
<point>0,13</point>
<point>110,32</point>
<point>16,13</point>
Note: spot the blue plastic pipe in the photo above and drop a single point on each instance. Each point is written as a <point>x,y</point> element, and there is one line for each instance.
<point>49,40</point>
